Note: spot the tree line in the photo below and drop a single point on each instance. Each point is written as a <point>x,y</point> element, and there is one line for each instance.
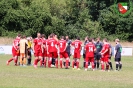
<point>64,17</point>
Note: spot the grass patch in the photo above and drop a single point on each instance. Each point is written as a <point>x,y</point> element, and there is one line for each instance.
<point>28,77</point>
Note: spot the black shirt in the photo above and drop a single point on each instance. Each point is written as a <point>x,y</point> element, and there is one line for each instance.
<point>68,48</point>
<point>118,49</point>
<point>99,46</point>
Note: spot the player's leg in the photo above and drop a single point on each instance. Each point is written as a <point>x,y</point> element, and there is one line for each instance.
<point>49,59</point>
<point>102,63</point>
<point>110,63</point>
<point>98,61</point>
<point>86,63</point>
<point>29,57</point>
<point>78,60</point>
<point>41,62</point>
<point>21,59</point>
<point>55,55</point>
<point>95,61</point>
<point>92,63</point>
<point>24,59</point>
<point>45,61</point>
<point>45,58</point>
<point>16,60</point>
<point>117,63</point>
<point>61,59</point>
<point>36,59</point>
<point>67,59</point>
<point>120,64</point>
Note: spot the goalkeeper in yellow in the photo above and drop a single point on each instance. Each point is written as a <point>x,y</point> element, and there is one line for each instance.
<point>23,50</point>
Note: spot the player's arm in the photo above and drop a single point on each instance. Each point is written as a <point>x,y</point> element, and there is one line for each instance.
<point>94,48</point>
<point>115,53</point>
<point>14,46</point>
<point>105,51</point>
<point>33,47</point>
<point>116,48</point>
<point>47,48</point>
<point>80,46</point>
<point>110,51</point>
<point>85,48</point>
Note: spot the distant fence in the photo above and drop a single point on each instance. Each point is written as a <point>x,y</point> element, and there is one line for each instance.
<point>126,51</point>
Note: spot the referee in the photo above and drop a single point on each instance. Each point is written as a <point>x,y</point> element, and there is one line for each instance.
<point>29,39</point>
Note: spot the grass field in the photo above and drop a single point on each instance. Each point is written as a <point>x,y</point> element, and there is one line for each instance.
<point>28,77</point>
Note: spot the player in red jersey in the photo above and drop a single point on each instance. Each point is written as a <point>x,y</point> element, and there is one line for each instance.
<point>63,54</point>
<point>37,49</point>
<point>89,52</point>
<point>15,51</point>
<point>52,50</point>
<point>44,49</point>
<point>105,54</point>
<point>46,53</point>
<point>77,48</point>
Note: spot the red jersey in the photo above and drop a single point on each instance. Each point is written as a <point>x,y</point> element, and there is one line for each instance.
<point>38,44</point>
<point>62,45</point>
<point>77,45</point>
<point>90,47</point>
<point>52,45</point>
<point>16,42</point>
<point>46,44</point>
<point>106,47</point>
<point>43,42</point>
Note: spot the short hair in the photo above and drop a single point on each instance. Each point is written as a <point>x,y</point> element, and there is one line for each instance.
<point>51,36</point>
<point>90,39</point>
<point>98,38</point>
<point>78,38</point>
<point>19,35</point>
<point>105,39</point>
<point>62,37</point>
<point>23,36</point>
<point>87,37</point>
<point>117,40</point>
<point>43,35</point>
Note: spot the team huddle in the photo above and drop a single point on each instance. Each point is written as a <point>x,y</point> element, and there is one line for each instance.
<point>47,51</point>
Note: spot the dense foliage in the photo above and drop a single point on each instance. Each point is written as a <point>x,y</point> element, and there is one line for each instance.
<point>64,17</point>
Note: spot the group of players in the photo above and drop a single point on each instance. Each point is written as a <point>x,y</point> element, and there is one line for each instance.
<point>45,50</point>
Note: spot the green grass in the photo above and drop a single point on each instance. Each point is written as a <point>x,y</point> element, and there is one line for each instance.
<point>28,77</point>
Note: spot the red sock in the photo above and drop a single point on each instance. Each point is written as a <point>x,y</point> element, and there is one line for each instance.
<point>45,63</point>
<point>15,61</point>
<point>67,62</point>
<point>92,63</point>
<point>10,60</point>
<point>77,63</point>
<point>35,62</point>
<point>107,66</point>
<point>86,65</point>
<point>49,63</point>
<point>102,65</point>
<point>56,62</point>
<point>60,63</point>
<point>41,62</point>
<point>73,64</point>
<point>38,60</point>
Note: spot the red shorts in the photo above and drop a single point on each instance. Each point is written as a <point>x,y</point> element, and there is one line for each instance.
<point>63,55</point>
<point>53,55</point>
<point>15,52</point>
<point>105,59</point>
<point>45,54</point>
<point>76,55</point>
<point>38,53</point>
<point>89,59</point>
